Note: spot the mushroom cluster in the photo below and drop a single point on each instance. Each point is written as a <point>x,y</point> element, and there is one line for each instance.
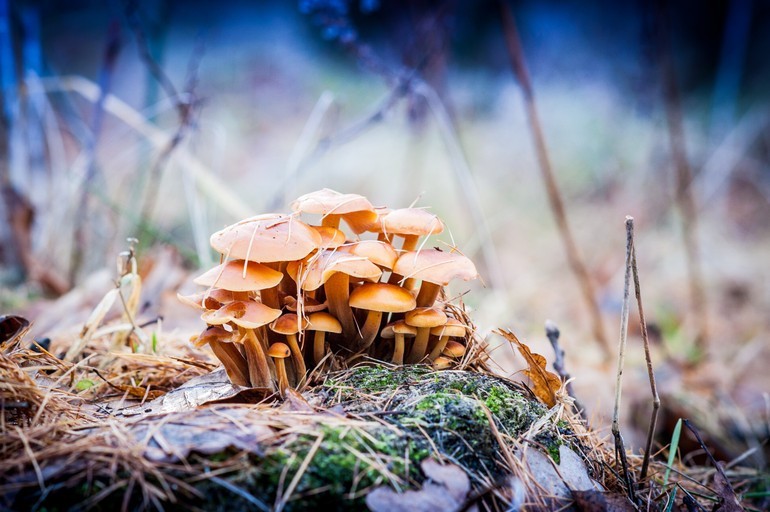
<point>290,294</point>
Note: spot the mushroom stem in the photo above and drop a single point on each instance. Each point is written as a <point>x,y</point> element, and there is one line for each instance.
<point>398,350</point>
<point>439,348</point>
<point>319,346</point>
<point>370,329</point>
<point>234,362</point>
<point>428,294</point>
<point>337,289</point>
<point>280,375</point>
<point>296,357</point>
<point>410,242</point>
<point>270,297</point>
<point>420,345</point>
<point>259,371</point>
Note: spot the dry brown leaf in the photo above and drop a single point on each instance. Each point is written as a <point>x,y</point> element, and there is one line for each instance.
<point>545,384</point>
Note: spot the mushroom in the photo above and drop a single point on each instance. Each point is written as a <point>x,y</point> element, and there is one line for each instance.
<point>381,254</point>
<point>424,319</point>
<point>376,299</point>
<point>240,277</point>
<point>322,322</point>
<point>221,343</point>
<point>452,329</point>
<point>307,305</point>
<point>331,238</point>
<point>289,325</point>
<point>454,349</point>
<point>442,363</point>
<point>398,330</point>
<point>435,268</point>
<point>247,316</point>
<point>279,352</point>
<point>411,224</point>
<point>333,270</point>
<point>355,209</point>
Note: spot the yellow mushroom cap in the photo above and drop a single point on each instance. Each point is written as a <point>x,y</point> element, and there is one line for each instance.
<point>435,266</point>
<point>247,314</point>
<point>230,276</point>
<point>316,270</point>
<point>267,238</point>
<point>288,324</point>
<point>442,363</point>
<point>454,349</point>
<point>279,350</point>
<point>331,238</point>
<point>355,209</point>
<point>425,317</point>
<point>323,321</point>
<point>387,298</point>
<point>412,221</point>
<point>453,328</point>
<point>213,334</point>
<point>398,327</point>
<point>380,253</point>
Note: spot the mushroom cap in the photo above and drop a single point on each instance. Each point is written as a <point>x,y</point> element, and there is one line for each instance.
<point>387,298</point>
<point>213,334</point>
<point>454,349</point>
<point>267,238</point>
<point>452,328</point>
<point>230,276</point>
<point>288,324</point>
<point>279,350</point>
<point>247,314</point>
<point>355,209</point>
<point>412,221</point>
<point>435,266</point>
<point>425,317</point>
<point>210,299</point>
<point>442,363</point>
<point>309,305</point>
<point>380,253</point>
<point>398,327</point>
<point>323,321</point>
<point>313,272</point>
<point>331,238</point>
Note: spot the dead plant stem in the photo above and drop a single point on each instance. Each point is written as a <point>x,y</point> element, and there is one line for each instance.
<point>574,259</point>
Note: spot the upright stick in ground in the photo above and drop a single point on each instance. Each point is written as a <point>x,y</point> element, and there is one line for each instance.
<point>648,358</point>
<point>620,449</point>
<point>552,333</point>
<point>554,196</point>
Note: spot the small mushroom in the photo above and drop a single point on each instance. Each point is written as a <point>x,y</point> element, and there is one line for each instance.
<point>354,209</point>
<point>279,352</point>
<point>452,329</point>
<point>454,349</point>
<point>376,299</point>
<point>442,363</point>
<point>398,330</point>
<point>411,224</point>
<point>424,319</point>
<point>289,325</point>
<point>221,343</point>
<point>435,268</point>
<point>322,322</point>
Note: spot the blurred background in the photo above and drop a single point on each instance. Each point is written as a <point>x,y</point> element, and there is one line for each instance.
<point>166,120</point>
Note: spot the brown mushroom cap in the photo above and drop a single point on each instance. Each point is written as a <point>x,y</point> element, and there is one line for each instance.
<point>279,351</point>
<point>324,322</point>
<point>267,238</point>
<point>452,328</point>
<point>288,324</point>
<point>411,221</point>
<point>231,276</point>
<point>355,209</point>
<point>331,238</point>
<point>398,327</point>
<point>386,298</point>
<point>454,349</point>
<point>247,314</point>
<point>315,271</point>
<point>380,253</point>
<point>442,363</point>
<point>310,305</point>
<point>435,266</point>
<point>425,318</point>
<point>213,334</point>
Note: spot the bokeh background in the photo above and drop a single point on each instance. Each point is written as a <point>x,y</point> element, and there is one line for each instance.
<point>167,120</point>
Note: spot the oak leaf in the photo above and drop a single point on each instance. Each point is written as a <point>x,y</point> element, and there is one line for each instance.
<point>545,384</point>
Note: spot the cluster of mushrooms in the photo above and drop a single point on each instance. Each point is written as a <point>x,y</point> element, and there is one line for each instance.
<point>290,295</point>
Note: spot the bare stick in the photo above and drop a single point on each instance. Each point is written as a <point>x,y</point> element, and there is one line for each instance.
<point>684,196</point>
<point>620,450</point>
<point>552,332</point>
<point>554,196</point>
<point>648,359</point>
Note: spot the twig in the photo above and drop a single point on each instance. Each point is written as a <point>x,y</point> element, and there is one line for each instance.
<point>708,452</point>
<point>555,200</point>
<point>552,333</point>
<point>685,200</point>
<point>620,450</point>
<point>648,359</point>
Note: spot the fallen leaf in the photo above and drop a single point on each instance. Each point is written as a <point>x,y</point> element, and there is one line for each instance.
<point>445,491</point>
<point>545,384</point>
<point>574,472</point>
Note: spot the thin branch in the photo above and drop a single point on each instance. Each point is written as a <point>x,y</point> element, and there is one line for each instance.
<point>648,359</point>
<point>620,449</point>
<point>552,333</point>
<point>576,263</point>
